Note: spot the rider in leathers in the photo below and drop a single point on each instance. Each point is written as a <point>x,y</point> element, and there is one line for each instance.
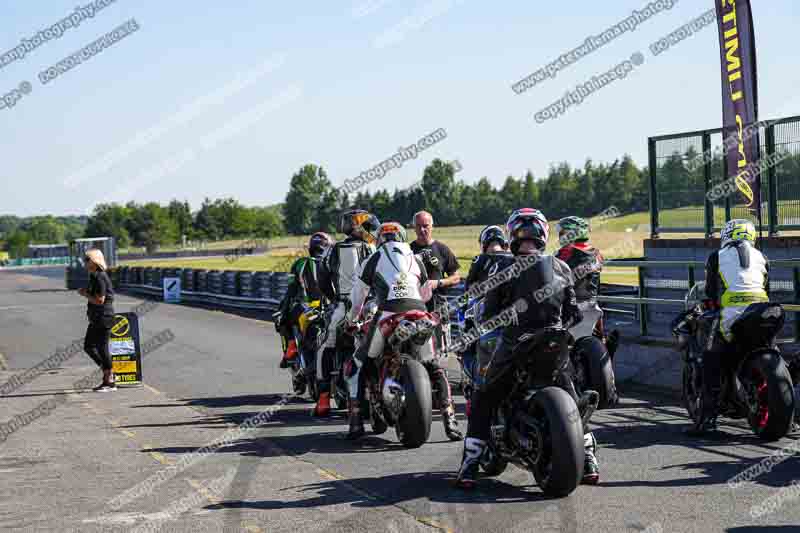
<point>586,263</point>
<point>303,288</point>
<point>494,257</point>
<point>337,273</point>
<point>737,275</point>
<point>400,282</point>
<point>528,232</point>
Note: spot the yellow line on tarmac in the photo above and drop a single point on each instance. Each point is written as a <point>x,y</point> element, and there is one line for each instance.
<point>3,362</point>
<point>196,485</point>
<point>161,458</point>
<point>153,390</point>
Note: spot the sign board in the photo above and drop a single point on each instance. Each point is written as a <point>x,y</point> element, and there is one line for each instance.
<point>172,290</point>
<point>124,347</point>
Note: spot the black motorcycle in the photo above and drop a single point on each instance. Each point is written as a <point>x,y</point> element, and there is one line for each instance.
<point>592,359</point>
<point>538,426</point>
<point>756,383</point>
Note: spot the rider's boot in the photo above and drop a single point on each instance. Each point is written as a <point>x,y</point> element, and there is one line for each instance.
<point>591,469</point>
<point>291,353</point>
<point>468,473</point>
<point>323,407</point>
<point>450,422</point>
<point>356,420</point>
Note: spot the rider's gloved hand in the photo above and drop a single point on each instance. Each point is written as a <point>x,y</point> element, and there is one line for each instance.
<point>350,328</point>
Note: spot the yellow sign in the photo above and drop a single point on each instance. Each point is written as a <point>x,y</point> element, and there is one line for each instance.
<point>121,328</point>
<point>124,367</point>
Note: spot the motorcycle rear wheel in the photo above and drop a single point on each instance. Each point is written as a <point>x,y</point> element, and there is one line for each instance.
<point>560,467</point>
<point>414,425</point>
<point>772,418</point>
<point>598,369</point>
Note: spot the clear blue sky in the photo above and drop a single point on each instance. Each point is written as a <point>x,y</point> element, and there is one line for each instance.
<point>343,96</point>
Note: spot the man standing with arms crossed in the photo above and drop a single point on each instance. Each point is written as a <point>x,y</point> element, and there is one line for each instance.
<point>442,266</point>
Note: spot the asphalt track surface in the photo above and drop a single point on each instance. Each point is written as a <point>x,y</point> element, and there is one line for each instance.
<point>295,473</point>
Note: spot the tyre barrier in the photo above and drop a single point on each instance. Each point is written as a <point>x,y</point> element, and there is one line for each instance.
<point>246,284</point>
<point>230,285</point>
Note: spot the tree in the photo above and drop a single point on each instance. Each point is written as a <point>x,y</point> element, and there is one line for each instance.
<point>438,183</point>
<point>153,227</point>
<point>110,220</point>
<point>44,230</point>
<point>205,222</point>
<point>312,202</point>
<point>530,190</point>
<point>17,244</point>
<point>181,214</point>
<point>268,222</point>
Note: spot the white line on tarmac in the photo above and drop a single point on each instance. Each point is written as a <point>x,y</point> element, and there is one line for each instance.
<point>46,305</point>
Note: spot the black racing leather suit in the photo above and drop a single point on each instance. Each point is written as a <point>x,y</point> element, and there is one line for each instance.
<point>559,309</point>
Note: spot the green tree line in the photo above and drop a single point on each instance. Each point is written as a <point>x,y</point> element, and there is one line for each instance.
<point>313,201</point>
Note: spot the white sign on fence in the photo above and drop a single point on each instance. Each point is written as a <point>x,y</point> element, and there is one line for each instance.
<point>172,290</point>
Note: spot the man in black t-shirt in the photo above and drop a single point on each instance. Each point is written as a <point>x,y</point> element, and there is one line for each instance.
<point>439,260</point>
<point>442,266</point>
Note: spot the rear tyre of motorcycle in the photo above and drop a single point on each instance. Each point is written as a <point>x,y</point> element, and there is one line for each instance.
<point>599,370</point>
<point>778,397</point>
<point>560,467</point>
<point>414,425</point>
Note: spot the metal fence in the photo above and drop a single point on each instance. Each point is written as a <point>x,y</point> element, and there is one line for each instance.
<point>685,168</point>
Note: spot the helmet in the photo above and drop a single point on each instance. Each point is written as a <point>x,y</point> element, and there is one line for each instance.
<point>492,233</point>
<point>527,225</point>
<point>391,231</point>
<point>738,229</point>
<point>319,243</point>
<point>361,224</point>
<point>572,229</point>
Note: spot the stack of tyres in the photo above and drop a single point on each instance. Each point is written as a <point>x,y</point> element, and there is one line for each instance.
<point>280,283</point>
<point>229,283</point>
<point>246,284</point>
<point>201,280</point>
<point>158,275</point>
<point>262,285</point>
<point>215,282</point>
<point>147,278</point>
<point>187,280</point>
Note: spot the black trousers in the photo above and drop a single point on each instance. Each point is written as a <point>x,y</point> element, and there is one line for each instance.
<point>96,344</point>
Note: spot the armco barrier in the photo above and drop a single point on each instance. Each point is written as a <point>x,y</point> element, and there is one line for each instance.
<point>264,290</point>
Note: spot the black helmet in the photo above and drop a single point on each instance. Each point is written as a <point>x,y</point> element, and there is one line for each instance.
<point>360,224</point>
<point>492,233</point>
<point>318,244</point>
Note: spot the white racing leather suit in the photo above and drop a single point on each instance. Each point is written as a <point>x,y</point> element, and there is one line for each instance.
<point>400,283</point>
<point>341,264</point>
<point>742,271</point>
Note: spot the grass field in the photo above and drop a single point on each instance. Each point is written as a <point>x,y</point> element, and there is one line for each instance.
<point>622,239</point>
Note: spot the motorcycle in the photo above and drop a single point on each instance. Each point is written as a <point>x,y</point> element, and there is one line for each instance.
<point>756,383</point>
<point>345,347</point>
<point>538,426</point>
<point>302,368</point>
<point>468,319</point>
<point>398,388</point>
<point>592,355</point>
